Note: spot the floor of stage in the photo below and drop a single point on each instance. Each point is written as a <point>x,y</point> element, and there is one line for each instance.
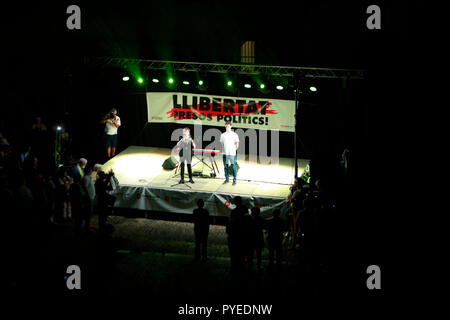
<point>142,167</point>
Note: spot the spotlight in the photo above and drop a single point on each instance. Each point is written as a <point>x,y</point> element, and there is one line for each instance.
<point>171,80</point>
<point>201,85</point>
<point>280,87</point>
<point>247,85</point>
<point>155,80</point>
<point>126,78</point>
<point>59,128</point>
<point>313,89</point>
<point>229,83</point>
<point>140,80</point>
<point>262,85</point>
<point>186,82</point>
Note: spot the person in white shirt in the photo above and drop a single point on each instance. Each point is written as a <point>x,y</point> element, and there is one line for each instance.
<point>112,124</point>
<point>230,143</point>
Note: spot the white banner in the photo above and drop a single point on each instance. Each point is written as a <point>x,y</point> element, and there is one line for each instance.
<point>188,108</point>
<point>184,201</point>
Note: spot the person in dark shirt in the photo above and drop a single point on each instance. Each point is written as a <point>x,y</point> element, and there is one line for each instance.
<point>201,230</point>
<point>105,200</point>
<point>77,200</point>
<point>185,146</point>
<point>235,229</point>
<point>258,235</point>
<point>274,238</point>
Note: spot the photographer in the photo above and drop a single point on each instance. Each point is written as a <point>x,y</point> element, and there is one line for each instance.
<point>112,124</point>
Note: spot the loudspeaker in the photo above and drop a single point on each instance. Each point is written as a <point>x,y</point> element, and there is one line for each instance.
<point>170,163</point>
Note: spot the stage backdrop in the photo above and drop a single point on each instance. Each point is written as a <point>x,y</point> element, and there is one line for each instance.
<point>188,108</point>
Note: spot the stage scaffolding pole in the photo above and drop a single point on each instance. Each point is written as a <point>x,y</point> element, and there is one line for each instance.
<point>296,86</point>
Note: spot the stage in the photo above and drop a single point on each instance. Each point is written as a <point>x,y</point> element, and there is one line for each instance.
<point>145,185</point>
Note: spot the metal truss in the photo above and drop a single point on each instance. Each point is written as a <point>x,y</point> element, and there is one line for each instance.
<point>174,66</point>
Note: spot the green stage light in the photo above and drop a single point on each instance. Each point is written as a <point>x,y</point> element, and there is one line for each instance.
<point>229,83</point>
<point>200,82</point>
<point>313,89</point>
<point>140,80</point>
<point>171,80</point>
<point>126,78</point>
<point>262,85</point>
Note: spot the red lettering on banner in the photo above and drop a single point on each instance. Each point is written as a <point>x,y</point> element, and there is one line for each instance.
<point>216,109</point>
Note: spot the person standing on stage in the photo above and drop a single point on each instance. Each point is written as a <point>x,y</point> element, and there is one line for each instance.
<point>230,143</point>
<point>112,124</point>
<point>185,146</point>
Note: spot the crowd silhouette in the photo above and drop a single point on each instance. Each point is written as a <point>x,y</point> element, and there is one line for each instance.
<point>39,197</point>
<point>36,196</point>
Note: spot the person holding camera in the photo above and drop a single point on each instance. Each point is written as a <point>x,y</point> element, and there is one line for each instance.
<point>112,124</point>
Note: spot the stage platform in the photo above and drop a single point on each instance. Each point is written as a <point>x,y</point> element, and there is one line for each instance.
<point>145,185</point>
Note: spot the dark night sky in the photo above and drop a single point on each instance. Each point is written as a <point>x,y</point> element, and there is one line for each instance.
<point>324,33</point>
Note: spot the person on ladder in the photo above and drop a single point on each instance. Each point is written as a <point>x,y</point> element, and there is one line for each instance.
<point>185,146</point>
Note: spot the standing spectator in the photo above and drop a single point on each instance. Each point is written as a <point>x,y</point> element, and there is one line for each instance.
<point>89,188</point>
<point>24,154</point>
<point>51,197</point>
<point>5,150</point>
<point>38,185</point>
<point>235,231</point>
<point>64,182</point>
<point>258,235</point>
<point>274,238</point>
<point>112,123</point>
<point>95,170</point>
<point>3,141</point>
<point>201,230</point>
<point>40,143</point>
<point>79,168</point>
<point>59,195</point>
<point>105,200</point>
<point>248,241</point>
<point>3,157</point>
<point>24,195</point>
<point>38,126</point>
<point>31,168</point>
<point>78,202</point>
<point>346,163</point>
